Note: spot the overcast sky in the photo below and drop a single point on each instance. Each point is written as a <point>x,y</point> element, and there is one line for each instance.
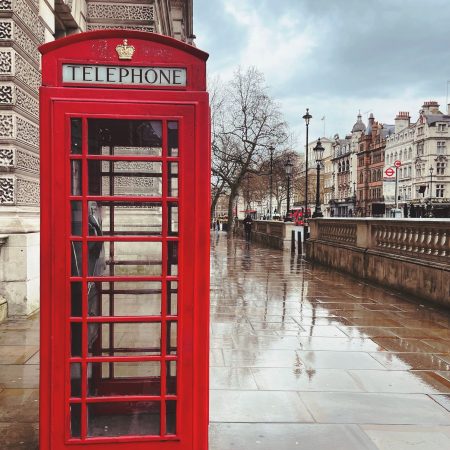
<point>334,56</point>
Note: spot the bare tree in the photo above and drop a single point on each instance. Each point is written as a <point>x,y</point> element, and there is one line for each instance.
<point>249,123</point>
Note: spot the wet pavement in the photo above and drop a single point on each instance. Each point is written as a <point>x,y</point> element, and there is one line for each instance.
<point>301,357</point>
<point>305,357</point>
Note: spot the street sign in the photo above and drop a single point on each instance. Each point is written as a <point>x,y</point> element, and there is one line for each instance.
<point>389,172</point>
<point>397,163</point>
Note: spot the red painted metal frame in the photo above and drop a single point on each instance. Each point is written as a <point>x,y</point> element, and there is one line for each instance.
<point>190,108</point>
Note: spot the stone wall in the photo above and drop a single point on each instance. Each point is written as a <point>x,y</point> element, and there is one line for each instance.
<point>24,26</point>
<point>408,255</point>
<point>271,233</point>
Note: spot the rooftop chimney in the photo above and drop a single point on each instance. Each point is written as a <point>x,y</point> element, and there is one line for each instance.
<point>431,107</point>
<point>402,121</point>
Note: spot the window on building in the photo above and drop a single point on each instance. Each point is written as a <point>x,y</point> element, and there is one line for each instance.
<point>410,153</point>
<point>442,127</point>
<point>420,149</point>
<point>408,196</point>
<point>409,171</point>
<point>441,148</point>
<point>419,131</point>
<point>440,168</point>
<point>439,190</point>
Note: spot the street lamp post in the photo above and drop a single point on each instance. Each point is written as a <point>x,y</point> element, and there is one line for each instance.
<point>271,149</point>
<point>318,150</point>
<point>288,168</point>
<point>307,117</point>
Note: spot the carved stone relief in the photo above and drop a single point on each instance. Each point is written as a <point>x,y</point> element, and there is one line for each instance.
<point>27,102</point>
<point>100,11</point>
<point>27,132</point>
<point>7,159</point>
<point>27,192</point>
<point>29,18</point>
<point>6,5</point>
<point>94,26</point>
<point>27,162</point>
<point>6,126</point>
<point>6,29</point>
<point>25,43</point>
<point>6,62</point>
<point>27,73</point>
<point>7,190</point>
<point>6,94</point>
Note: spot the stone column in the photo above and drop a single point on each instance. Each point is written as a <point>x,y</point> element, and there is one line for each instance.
<point>21,32</point>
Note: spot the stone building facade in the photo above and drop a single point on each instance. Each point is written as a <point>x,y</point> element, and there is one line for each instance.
<point>24,26</point>
<point>370,168</point>
<point>424,174</point>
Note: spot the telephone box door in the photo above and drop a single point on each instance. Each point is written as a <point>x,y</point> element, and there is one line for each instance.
<point>123,209</point>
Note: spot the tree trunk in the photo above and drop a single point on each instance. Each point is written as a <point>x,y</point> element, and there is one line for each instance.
<point>230,211</point>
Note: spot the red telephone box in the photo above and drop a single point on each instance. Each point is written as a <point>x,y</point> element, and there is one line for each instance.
<point>125,168</point>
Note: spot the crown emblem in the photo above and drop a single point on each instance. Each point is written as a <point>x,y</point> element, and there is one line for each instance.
<point>124,50</point>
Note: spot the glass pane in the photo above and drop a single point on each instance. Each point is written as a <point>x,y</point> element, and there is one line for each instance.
<point>172,333</point>
<point>172,298</point>
<point>75,136</point>
<point>126,259</point>
<point>125,137</point>
<point>75,339</point>
<point>172,189</point>
<point>76,218</point>
<point>76,258</point>
<point>122,298</point>
<point>130,218</point>
<point>171,378</point>
<point>171,417</point>
<point>75,420</point>
<point>124,378</point>
<point>124,419</point>
<point>172,258</point>
<point>76,177</point>
<point>172,217</point>
<point>75,380</point>
<point>125,178</point>
<point>76,299</point>
<point>172,138</point>
<point>125,339</point>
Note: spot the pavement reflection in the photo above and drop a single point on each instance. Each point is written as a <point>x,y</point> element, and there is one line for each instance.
<point>304,354</point>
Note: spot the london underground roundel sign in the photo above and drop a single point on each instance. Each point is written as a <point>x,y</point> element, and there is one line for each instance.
<point>389,172</point>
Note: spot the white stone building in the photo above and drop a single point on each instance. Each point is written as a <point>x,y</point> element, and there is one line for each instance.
<point>424,175</point>
<point>24,26</point>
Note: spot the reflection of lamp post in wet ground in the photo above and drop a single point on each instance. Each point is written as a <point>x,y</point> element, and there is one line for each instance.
<point>288,168</point>
<point>307,117</point>
<point>318,150</point>
<point>271,149</point>
<point>430,212</point>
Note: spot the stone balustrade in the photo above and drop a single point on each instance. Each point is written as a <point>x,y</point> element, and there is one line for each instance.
<point>411,255</point>
<point>272,233</point>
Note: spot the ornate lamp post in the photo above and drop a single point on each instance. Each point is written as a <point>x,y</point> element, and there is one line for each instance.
<point>307,117</point>
<point>271,149</point>
<point>288,168</point>
<point>318,150</point>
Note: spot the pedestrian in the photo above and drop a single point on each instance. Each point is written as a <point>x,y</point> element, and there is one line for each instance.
<point>248,222</point>
<point>217,225</point>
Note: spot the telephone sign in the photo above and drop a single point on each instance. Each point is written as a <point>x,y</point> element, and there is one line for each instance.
<point>125,175</point>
